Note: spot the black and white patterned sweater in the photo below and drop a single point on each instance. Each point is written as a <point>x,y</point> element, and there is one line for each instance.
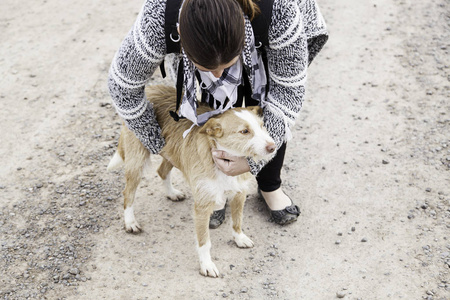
<point>296,34</point>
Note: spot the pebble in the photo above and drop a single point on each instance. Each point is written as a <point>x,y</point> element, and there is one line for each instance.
<point>364,240</point>
<point>340,294</point>
<point>74,271</point>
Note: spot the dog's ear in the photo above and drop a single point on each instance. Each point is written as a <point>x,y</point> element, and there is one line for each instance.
<point>257,110</point>
<point>212,128</point>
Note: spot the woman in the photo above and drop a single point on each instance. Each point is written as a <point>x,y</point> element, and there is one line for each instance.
<point>218,50</point>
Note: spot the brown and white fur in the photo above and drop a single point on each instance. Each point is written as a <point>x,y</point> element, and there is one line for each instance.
<point>238,131</point>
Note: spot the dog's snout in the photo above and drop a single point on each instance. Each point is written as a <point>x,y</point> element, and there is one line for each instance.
<point>270,147</point>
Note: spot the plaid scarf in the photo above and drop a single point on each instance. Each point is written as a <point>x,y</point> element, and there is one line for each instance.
<point>225,87</point>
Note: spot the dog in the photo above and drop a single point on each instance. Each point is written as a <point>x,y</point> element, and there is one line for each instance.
<point>238,131</point>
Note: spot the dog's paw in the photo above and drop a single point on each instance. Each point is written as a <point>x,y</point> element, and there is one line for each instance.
<point>242,241</point>
<point>131,225</point>
<point>176,195</point>
<point>209,269</point>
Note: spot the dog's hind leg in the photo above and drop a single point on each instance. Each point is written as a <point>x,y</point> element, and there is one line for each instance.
<point>134,165</point>
<point>164,171</point>
<point>237,209</point>
<point>202,211</point>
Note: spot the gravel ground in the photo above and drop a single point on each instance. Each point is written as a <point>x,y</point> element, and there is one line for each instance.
<point>369,167</point>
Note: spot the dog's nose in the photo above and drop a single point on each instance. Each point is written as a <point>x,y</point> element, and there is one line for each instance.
<point>271,147</point>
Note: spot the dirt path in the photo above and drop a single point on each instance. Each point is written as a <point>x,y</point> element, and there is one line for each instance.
<point>369,167</point>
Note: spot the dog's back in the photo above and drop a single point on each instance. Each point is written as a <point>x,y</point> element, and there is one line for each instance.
<point>184,153</point>
<point>163,99</point>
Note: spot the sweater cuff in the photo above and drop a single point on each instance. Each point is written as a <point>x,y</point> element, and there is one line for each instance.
<point>147,130</point>
<point>255,167</point>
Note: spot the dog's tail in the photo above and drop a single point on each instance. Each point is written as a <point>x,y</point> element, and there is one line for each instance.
<point>115,162</point>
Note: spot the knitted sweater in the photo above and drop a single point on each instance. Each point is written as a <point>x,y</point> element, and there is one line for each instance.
<point>296,34</point>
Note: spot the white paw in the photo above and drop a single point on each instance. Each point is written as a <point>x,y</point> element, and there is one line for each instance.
<point>131,225</point>
<point>175,195</point>
<point>207,267</point>
<point>242,241</point>
<point>171,192</point>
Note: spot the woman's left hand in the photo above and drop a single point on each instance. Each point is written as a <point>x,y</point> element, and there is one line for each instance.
<point>229,164</point>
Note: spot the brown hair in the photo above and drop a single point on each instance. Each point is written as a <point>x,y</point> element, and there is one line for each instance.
<point>212,32</point>
<point>249,8</point>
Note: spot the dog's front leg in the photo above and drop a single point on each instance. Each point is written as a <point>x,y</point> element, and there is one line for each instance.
<point>202,212</point>
<point>237,209</point>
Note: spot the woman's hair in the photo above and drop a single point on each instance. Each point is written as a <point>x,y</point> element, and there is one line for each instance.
<point>249,8</point>
<point>212,32</point>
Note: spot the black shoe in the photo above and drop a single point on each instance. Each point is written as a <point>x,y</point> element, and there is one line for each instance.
<point>217,218</point>
<point>285,216</point>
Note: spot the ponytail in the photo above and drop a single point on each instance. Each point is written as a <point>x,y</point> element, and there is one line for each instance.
<point>249,7</point>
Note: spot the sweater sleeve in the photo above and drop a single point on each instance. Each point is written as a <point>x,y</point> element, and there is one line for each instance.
<point>293,24</point>
<point>315,28</point>
<point>140,53</point>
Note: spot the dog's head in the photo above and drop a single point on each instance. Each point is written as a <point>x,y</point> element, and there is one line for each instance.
<point>241,132</point>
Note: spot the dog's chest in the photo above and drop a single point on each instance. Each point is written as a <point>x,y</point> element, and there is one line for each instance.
<point>231,183</point>
<point>223,186</point>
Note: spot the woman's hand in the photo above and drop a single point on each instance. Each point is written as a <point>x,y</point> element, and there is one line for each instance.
<point>230,165</point>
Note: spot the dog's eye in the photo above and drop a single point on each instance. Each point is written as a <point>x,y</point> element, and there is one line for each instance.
<point>245,131</point>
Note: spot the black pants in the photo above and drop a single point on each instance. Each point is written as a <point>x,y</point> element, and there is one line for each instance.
<point>269,178</point>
